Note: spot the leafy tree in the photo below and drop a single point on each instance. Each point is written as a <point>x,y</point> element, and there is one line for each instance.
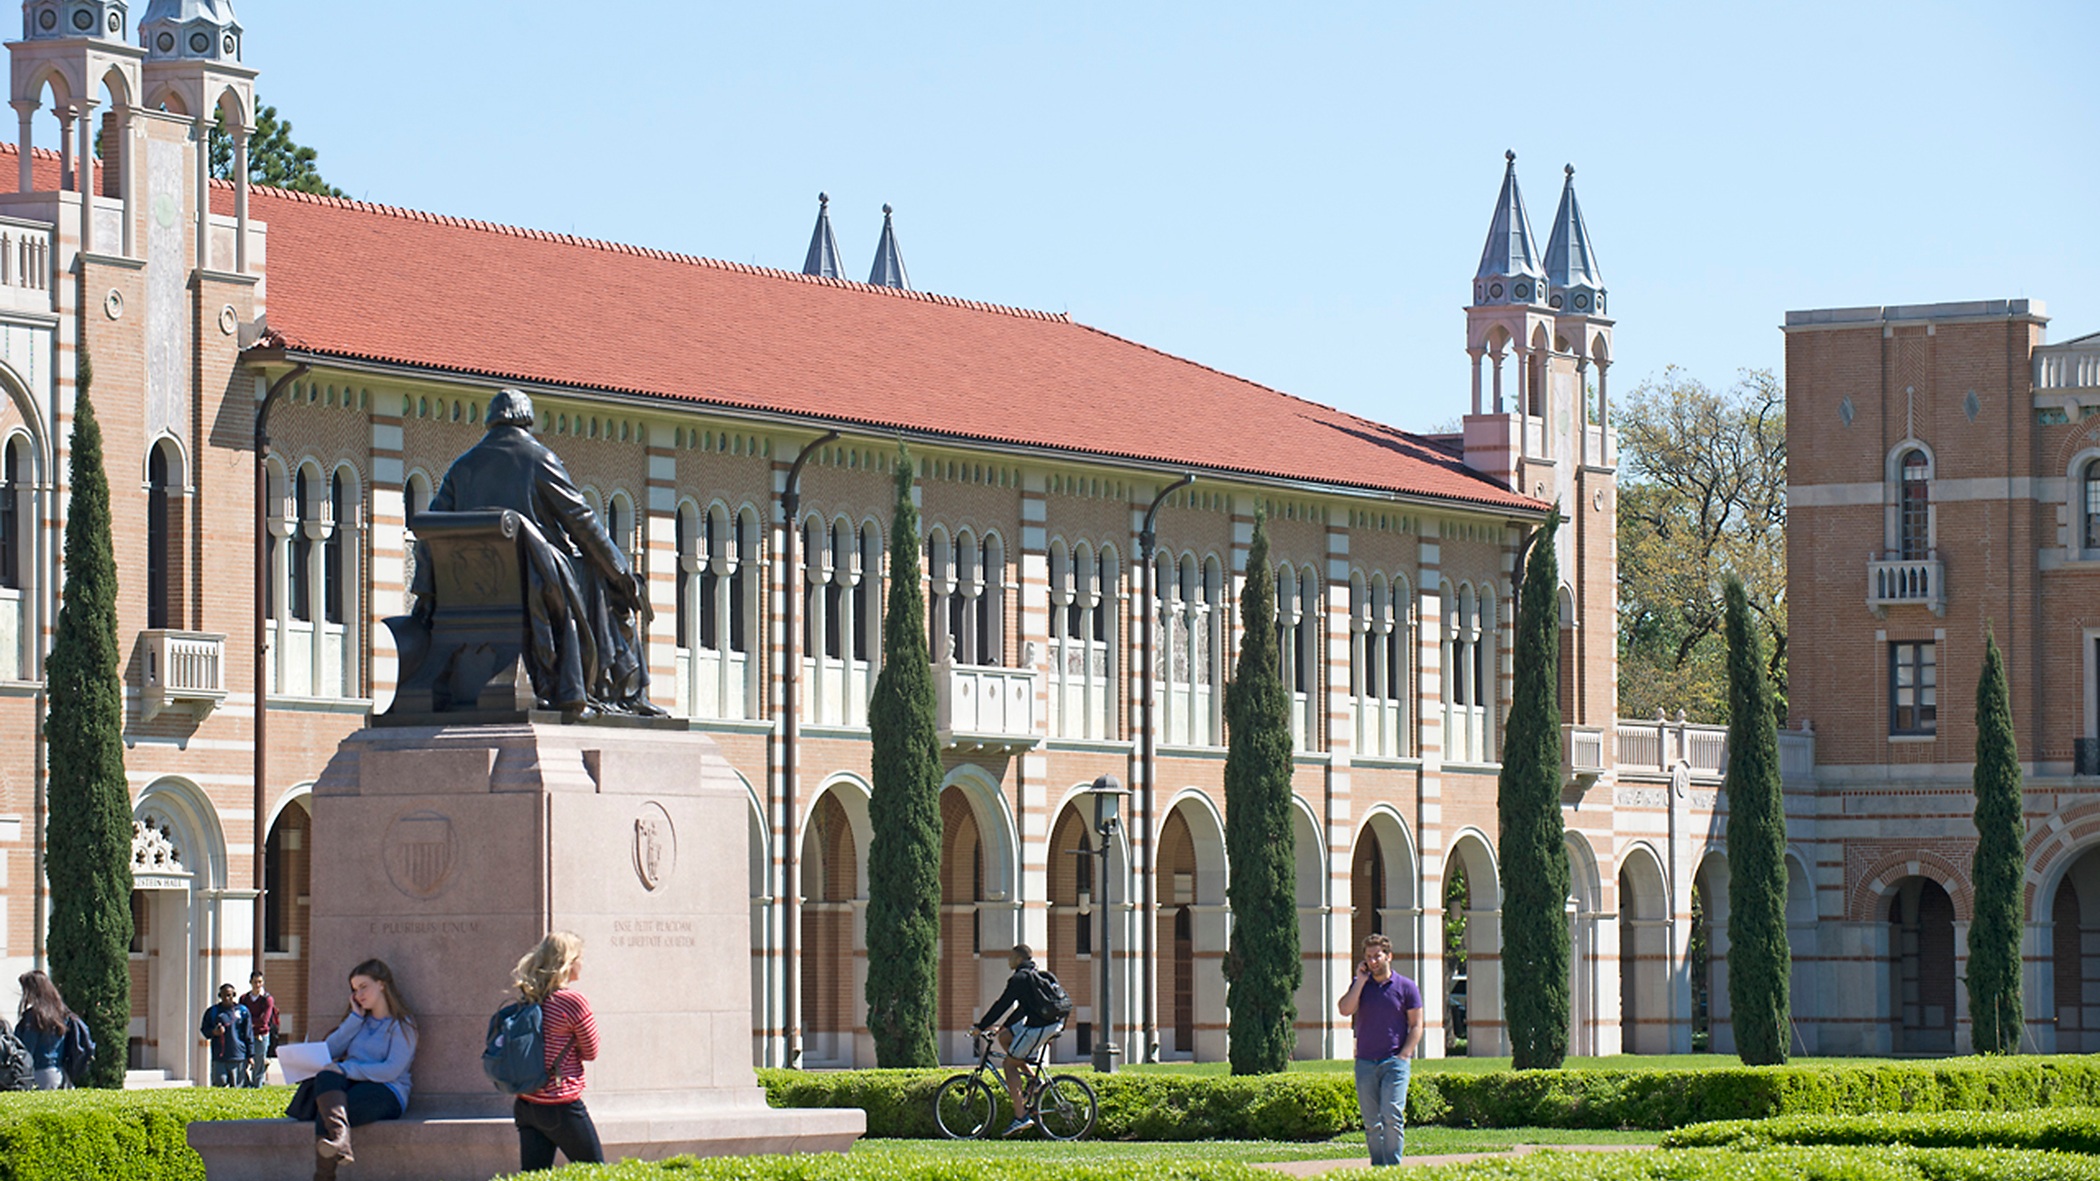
<point>904,813</point>
<point>1997,867</point>
<point>273,157</point>
<point>88,838</point>
<point>1702,495</point>
<point>1759,962</point>
<point>1261,965</point>
<point>1535,952</point>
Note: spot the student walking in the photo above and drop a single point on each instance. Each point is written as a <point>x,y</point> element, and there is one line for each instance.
<point>554,1116</point>
<point>1386,1010</point>
<point>57,1039</point>
<point>232,1039</point>
<point>263,1019</point>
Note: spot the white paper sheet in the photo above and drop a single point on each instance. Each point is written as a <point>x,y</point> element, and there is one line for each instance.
<point>302,1060</point>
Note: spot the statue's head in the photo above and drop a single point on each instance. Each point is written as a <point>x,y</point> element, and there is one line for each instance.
<point>510,407</point>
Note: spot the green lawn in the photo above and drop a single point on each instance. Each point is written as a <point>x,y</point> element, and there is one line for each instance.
<point>1420,1142</point>
<point>1487,1065</point>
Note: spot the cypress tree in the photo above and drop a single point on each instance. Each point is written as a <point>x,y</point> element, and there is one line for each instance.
<point>1994,936</point>
<point>1759,962</point>
<point>87,841</point>
<point>1261,965</point>
<point>904,813</point>
<point>1535,952</point>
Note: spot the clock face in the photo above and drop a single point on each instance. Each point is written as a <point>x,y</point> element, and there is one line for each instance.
<point>1523,291</point>
<point>83,20</point>
<point>1555,301</point>
<point>1582,301</point>
<point>166,42</point>
<point>47,20</point>
<point>1494,291</point>
<point>200,42</point>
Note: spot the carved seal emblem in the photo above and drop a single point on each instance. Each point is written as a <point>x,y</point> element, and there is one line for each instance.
<point>421,854</point>
<point>655,846</point>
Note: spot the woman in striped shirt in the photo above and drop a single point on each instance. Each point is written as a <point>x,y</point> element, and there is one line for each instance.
<point>554,1116</point>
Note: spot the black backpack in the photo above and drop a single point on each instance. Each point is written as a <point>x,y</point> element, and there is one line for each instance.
<point>1044,1001</point>
<point>514,1054</point>
<point>15,1073</point>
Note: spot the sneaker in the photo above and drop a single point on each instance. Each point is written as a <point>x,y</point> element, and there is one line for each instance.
<point>1021,1124</point>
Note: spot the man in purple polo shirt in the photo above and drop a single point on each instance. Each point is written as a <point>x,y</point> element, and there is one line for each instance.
<point>1386,1009</point>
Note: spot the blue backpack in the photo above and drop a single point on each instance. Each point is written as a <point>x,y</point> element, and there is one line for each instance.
<point>515,1056</point>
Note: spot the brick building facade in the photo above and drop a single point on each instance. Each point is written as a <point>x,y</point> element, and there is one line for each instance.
<point>682,392</point>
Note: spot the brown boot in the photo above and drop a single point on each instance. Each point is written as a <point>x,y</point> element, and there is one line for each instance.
<point>324,1169</point>
<point>334,1144</point>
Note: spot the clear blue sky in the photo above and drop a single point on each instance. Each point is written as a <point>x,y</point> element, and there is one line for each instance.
<point>1293,193</point>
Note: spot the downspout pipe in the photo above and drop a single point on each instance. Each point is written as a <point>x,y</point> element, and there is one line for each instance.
<point>790,739</point>
<point>1148,759</point>
<point>262,647</point>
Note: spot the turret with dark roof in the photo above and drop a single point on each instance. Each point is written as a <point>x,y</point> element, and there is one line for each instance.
<point>889,264</point>
<point>823,258</point>
<point>1571,265</point>
<point>1509,265</point>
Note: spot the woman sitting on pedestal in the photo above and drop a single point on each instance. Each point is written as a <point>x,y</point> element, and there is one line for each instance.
<point>367,1079</point>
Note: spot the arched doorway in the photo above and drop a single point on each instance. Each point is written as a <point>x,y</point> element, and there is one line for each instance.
<point>1075,921</point>
<point>1472,897</point>
<point>834,895</point>
<point>1709,957</point>
<point>1317,958</point>
<point>1921,967</point>
<point>1645,1019</point>
<point>287,915</point>
<point>2074,919</point>
<point>1382,891</point>
<point>1192,934</point>
<point>765,1021</point>
<point>1590,1032</point>
<point>178,875</point>
<point>962,949</point>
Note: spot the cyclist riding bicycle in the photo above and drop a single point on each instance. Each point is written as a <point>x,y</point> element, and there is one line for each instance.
<point>1033,996</point>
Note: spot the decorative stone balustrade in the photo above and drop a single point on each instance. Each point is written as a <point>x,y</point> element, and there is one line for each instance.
<point>1914,582</point>
<point>183,670</point>
<point>985,706</point>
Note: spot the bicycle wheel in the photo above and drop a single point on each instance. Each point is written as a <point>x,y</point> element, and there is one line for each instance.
<point>1065,1109</point>
<point>964,1107</point>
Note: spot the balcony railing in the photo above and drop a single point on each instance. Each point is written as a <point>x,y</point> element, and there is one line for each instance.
<point>1797,757</point>
<point>1583,749</point>
<point>1658,746</point>
<point>1916,582</point>
<point>985,706</point>
<point>183,670</point>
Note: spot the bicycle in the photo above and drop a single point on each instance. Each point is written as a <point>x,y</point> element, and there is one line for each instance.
<point>967,1105</point>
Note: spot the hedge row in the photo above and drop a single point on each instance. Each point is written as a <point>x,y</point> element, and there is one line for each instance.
<point>117,1135</point>
<point>1314,1106</point>
<point>2065,1129</point>
<point>934,1166</point>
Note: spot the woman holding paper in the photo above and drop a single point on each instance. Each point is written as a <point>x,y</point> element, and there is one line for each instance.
<point>367,1076</point>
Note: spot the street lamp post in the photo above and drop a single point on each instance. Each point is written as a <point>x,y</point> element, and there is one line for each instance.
<point>1108,793</point>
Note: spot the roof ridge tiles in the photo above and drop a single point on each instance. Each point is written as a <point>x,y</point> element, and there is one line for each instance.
<point>672,256</point>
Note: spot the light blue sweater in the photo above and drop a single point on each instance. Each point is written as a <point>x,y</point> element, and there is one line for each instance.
<point>375,1050</point>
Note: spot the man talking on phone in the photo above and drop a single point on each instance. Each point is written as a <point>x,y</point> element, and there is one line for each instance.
<point>1385,1008</point>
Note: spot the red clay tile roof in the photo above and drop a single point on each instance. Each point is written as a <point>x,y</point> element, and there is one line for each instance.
<point>366,282</point>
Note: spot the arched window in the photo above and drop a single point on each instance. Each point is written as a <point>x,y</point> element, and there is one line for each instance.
<point>1378,620</point>
<point>688,542</point>
<point>336,593</point>
<point>717,561</point>
<point>1085,597</point>
<point>158,542</point>
<point>300,567</point>
<point>12,466</point>
<point>1914,507</point>
<point>2091,486</point>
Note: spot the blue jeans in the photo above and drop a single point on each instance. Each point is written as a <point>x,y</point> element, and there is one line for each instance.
<point>229,1072</point>
<point>258,1062</point>
<point>1381,1093</point>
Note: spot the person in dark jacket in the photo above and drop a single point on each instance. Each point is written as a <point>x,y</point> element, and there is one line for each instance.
<point>232,1035</point>
<point>1018,1028</point>
<point>46,1026</point>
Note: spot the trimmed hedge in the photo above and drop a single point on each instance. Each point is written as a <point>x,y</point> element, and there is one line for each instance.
<point>118,1135</point>
<point>934,1167</point>
<point>1821,1163</point>
<point>1293,1106</point>
<point>1315,1106</point>
<point>2067,1129</point>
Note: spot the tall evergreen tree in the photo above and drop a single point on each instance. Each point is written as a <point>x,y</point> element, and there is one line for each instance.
<point>1535,952</point>
<point>274,158</point>
<point>88,838</point>
<point>1998,866</point>
<point>1759,962</point>
<point>904,813</point>
<point>1261,965</point>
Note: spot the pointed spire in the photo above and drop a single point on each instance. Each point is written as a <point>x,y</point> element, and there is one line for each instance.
<point>889,264</point>
<point>1509,261</point>
<point>1571,264</point>
<point>823,259</point>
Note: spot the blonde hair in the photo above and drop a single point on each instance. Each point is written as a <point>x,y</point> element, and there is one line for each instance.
<point>546,967</point>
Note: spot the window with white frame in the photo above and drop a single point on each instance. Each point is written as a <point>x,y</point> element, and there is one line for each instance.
<point>842,623</point>
<point>2089,500</point>
<point>967,600</point>
<point>163,493</point>
<point>718,571</point>
<point>1085,609</point>
<point>1189,606</point>
<point>1913,688</point>
<point>1469,659</point>
<point>313,578</point>
<point>1298,632</point>
<point>17,554</point>
<point>1914,506</point>
<point>1378,655</point>
<point>415,497</point>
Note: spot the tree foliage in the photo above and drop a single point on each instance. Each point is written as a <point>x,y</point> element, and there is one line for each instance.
<point>1997,868</point>
<point>1702,495</point>
<point>904,813</point>
<point>1535,950</point>
<point>88,838</point>
<point>274,158</point>
<point>1759,961</point>
<point>1261,965</point>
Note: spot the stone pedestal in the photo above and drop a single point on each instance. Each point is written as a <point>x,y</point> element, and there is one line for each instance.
<point>448,852</point>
